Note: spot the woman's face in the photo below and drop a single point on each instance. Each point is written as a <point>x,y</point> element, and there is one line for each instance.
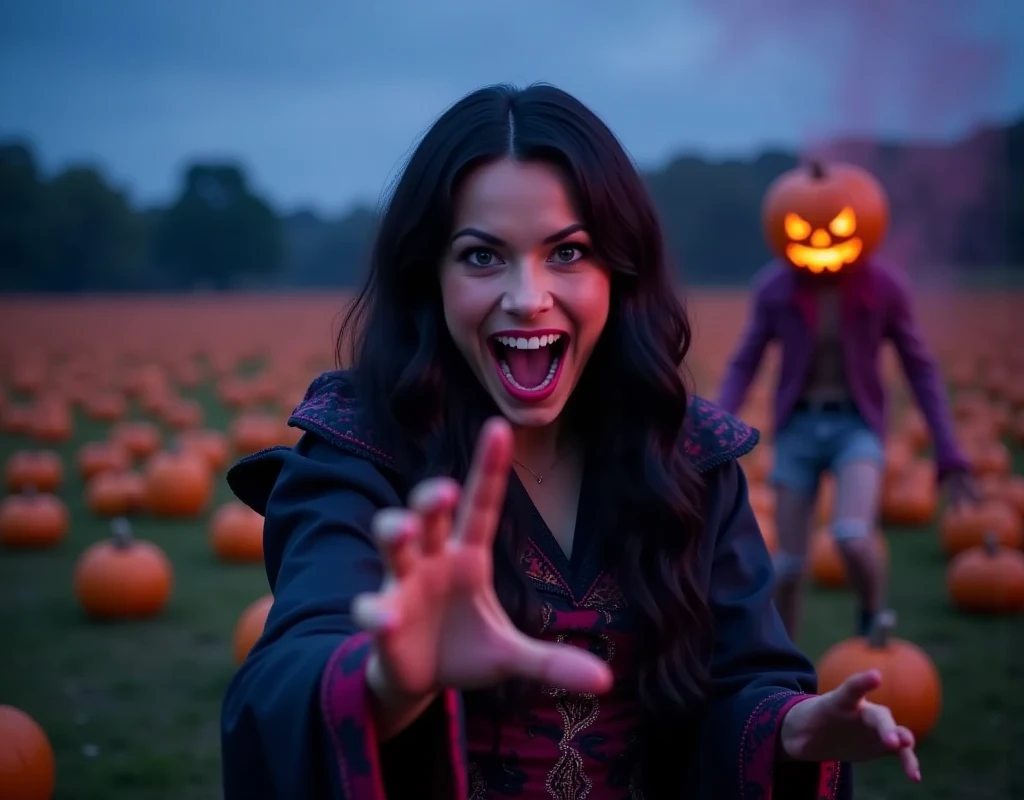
<point>524,298</point>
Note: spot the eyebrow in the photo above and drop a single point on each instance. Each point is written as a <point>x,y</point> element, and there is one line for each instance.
<point>490,238</point>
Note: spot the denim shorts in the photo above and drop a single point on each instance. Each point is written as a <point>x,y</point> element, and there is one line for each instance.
<point>814,442</point>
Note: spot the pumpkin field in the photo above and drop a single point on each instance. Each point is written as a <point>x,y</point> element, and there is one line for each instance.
<point>131,584</point>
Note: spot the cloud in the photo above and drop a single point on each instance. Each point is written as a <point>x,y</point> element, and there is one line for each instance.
<point>322,99</point>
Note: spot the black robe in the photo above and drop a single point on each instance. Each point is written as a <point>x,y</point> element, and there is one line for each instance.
<point>295,720</point>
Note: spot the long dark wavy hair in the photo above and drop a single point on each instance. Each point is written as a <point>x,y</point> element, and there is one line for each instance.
<point>426,406</point>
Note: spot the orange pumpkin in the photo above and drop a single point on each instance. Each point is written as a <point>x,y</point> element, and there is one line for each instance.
<point>28,770</point>
<point>28,375</point>
<point>265,388</point>
<point>899,454</point>
<point>253,431</point>
<point>823,218</point>
<point>40,469</point>
<point>178,484</point>
<point>33,520</point>
<point>115,494</point>
<point>123,578</point>
<point>105,406</point>
<point>17,420</point>
<point>211,445</point>
<point>184,414</point>
<point>51,422</point>
<point>988,457</point>
<point>912,499</point>
<point>911,686</point>
<point>97,457</point>
<point>155,402</point>
<point>978,433</point>
<point>1006,488</point>
<point>235,393</point>
<point>987,579</point>
<point>146,379</point>
<point>236,533</point>
<point>827,566</point>
<point>187,375</point>
<point>970,404</point>
<point>967,526</point>
<point>140,439</point>
<point>250,626</point>
<point>991,487</point>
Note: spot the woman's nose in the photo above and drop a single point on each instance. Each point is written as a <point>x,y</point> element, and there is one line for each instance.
<point>527,293</point>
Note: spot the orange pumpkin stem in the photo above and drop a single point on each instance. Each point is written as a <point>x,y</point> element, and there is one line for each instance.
<point>885,622</point>
<point>121,533</point>
<point>817,169</point>
<point>991,544</point>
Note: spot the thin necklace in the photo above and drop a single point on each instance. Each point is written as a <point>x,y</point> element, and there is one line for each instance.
<point>539,478</point>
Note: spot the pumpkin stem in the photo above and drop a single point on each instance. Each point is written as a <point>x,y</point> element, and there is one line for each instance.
<point>121,533</point>
<point>817,169</point>
<point>991,544</point>
<point>885,622</point>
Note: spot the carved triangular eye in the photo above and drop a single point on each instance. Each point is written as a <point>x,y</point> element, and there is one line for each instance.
<point>797,228</point>
<point>844,223</point>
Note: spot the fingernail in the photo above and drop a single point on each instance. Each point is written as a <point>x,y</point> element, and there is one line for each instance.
<point>393,523</point>
<point>394,533</point>
<point>917,776</point>
<point>447,493</point>
<point>377,618</point>
<point>442,494</point>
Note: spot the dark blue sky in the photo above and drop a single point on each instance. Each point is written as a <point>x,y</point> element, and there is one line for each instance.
<point>322,99</point>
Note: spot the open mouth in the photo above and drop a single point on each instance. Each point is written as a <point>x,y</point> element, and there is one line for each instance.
<point>819,259</point>
<point>529,363</point>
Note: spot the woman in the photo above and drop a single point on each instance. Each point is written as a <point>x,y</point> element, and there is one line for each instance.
<point>511,556</point>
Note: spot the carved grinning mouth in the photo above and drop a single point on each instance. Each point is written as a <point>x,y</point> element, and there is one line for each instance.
<point>820,259</point>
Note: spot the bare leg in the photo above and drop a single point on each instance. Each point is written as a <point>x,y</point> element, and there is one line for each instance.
<point>858,489</point>
<point>794,512</point>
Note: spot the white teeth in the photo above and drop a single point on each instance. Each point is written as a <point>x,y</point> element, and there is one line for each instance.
<point>533,343</point>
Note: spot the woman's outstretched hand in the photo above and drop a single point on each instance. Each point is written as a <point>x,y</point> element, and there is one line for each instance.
<point>842,725</point>
<point>436,620</point>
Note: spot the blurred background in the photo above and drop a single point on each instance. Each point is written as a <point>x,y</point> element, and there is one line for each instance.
<point>187,195</point>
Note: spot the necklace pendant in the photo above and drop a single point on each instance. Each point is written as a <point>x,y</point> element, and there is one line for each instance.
<point>540,481</point>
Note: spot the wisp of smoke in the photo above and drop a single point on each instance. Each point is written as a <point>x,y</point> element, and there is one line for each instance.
<point>890,61</point>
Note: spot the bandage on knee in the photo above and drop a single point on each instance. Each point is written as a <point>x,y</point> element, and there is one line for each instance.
<point>845,530</point>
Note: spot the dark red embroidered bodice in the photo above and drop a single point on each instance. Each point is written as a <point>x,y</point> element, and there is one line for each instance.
<point>556,746</point>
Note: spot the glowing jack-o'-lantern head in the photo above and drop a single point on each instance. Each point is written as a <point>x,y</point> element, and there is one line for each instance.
<point>824,218</point>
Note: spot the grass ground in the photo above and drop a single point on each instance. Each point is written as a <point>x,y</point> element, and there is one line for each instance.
<point>132,709</point>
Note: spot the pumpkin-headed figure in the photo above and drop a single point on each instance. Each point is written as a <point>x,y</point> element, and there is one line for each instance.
<point>823,218</point>
<point>831,304</point>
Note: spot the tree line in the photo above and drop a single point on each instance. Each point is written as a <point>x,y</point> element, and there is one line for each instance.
<point>960,205</point>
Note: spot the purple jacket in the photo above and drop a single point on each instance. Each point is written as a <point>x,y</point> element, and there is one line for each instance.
<point>876,305</point>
